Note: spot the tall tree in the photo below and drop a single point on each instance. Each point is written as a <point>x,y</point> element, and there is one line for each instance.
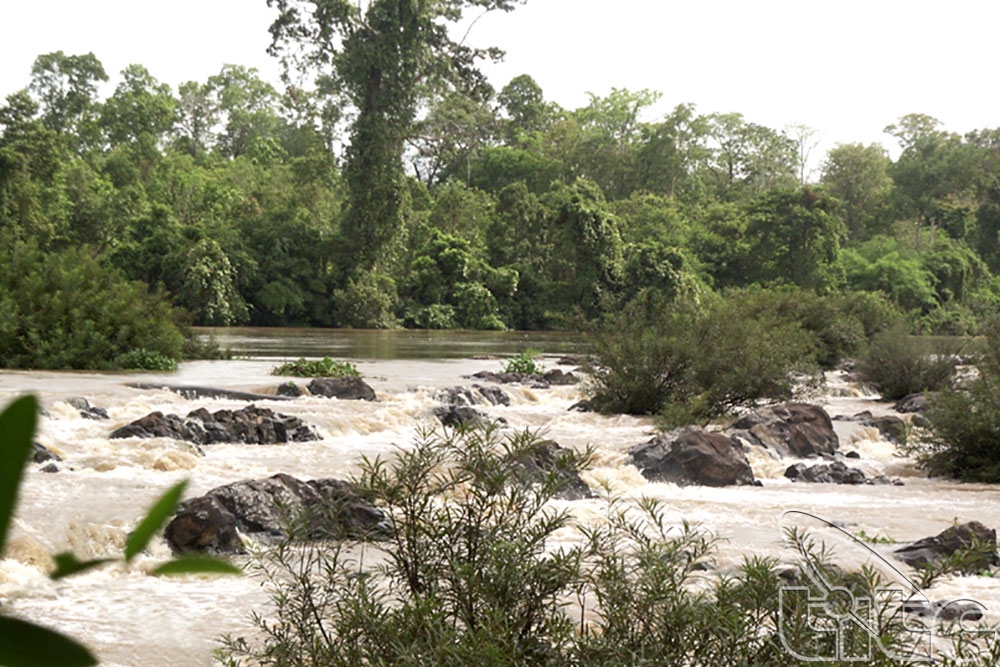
<point>858,176</point>
<point>66,88</point>
<point>383,54</point>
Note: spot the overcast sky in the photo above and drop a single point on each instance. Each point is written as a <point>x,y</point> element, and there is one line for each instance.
<point>847,68</point>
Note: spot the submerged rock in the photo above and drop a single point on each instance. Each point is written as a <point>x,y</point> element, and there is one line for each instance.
<point>274,508</point>
<point>87,410</point>
<point>347,388</point>
<point>289,390</point>
<point>463,416</point>
<point>251,425</point>
<point>790,429</point>
<point>42,454</point>
<point>958,538</point>
<point>477,395</point>
<point>693,456</point>
<point>890,427</point>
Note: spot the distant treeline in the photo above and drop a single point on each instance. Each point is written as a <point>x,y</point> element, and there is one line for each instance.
<point>229,196</point>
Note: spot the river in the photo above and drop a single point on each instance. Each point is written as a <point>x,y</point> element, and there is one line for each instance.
<point>130,618</point>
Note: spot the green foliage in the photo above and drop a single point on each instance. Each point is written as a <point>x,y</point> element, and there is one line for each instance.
<point>524,363</point>
<point>366,302</point>
<point>312,368</point>
<point>694,361</point>
<point>965,424</point>
<point>896,364</point>
<point>469,574</point>
<point>144,360</point>
<point>67,310</point>
<point>24,644</point>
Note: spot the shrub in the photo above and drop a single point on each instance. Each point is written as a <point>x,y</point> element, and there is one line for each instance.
<point>145,360</point>
<point>67,310</point>
<point>322,368</point>
<point>524,363</point>
<point>965,425</point>
<point>896,364</point>
<point>690,361</point>
<point>468,575</point>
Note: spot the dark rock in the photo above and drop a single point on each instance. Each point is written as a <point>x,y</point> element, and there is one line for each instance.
<point>477,395</point>
<point>87,410</point>
<point>547,458</point>
<point>852,455</point>
<point>52,467</point>
<point>462,416</point>
<point>191,392</point>
<point>557,377</point>
<point>573,360</point>
<point>347,388</point>
<point>273,508</point>
<point>582,406</point>
<point>890,427</point>
<point>957,538</point>
<point>511,378</point>
<point>789,429</point>
<point>693,456</point>
<point>832,473</point>
<point>251,425</point>
<point>945,610</point>
<point>912,403</point>
<point>41,454</point>
<point>289,389</point>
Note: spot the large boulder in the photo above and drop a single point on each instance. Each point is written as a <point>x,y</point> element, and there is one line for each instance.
<point>549,458</point>
<point>693,456</point>
<point>789,429</point>
<point>251,425</point>
<point>347,388</point>
<point>912,403</point>
<point>972,535</point>
<point>274,508</point>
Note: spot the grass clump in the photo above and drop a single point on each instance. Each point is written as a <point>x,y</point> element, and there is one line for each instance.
<point>145,360</point>
<point>524,363</point>
<point>317,368</point>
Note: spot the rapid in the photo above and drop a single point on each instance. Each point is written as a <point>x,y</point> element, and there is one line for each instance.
<point>130,618</point>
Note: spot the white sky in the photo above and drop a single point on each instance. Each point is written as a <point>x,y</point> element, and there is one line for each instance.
<point>847,68</point>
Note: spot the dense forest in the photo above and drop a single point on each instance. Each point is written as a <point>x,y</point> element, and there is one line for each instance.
<point>230,199</point>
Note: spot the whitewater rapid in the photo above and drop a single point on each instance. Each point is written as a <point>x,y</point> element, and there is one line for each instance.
<point>130,618</point>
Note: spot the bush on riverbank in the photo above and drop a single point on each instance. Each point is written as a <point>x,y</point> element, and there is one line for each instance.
<point>67,310</point>
<point>478,568</point>
<point>317,368</point>
<point>965,423</point>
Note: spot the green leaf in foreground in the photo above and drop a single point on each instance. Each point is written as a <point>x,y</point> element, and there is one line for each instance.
<point>17,428</point>
<point>197,565</point>
<point>24,644</point>
<point>67,564</point>
<point>154,519</point>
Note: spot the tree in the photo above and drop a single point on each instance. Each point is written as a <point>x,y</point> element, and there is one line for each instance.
<point>139,115</point>
<point>247,104</point>
<point>197,114</point>
<point>858,176</point>
<point>382,53</point>
<point>671,152</point>
<point>66,87</point>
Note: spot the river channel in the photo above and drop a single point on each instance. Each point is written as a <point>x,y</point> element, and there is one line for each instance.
<point>130,618</point>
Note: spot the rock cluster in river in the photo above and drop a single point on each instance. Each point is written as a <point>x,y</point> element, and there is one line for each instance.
<point>347,388</point>
<point>548,458</point>
<point>273,508</point>
<point>457,409</point>
<point>251,425</point>
<point>835,472</point>
<point>555,376</point>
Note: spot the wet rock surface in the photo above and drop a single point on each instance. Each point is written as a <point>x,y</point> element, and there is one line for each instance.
<point>277,507</point>
<point>549,458</point>
<point>971,535</point>
<point>693,456</point>
<point>87,410</point>
<point>790,429</point>
<point>834,473</point>
<point>891,428</point>
<point>348,388</point>
<point>251,425</point>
